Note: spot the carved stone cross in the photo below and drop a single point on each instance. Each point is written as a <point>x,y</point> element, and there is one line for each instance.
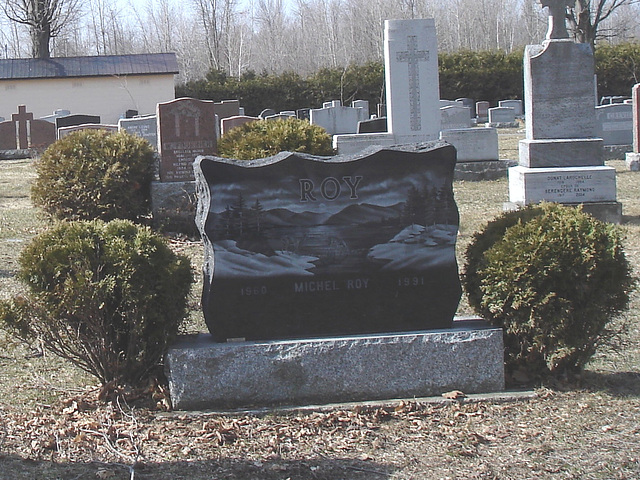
<point>22,120</point>
<point>557,17</point>
<point>412,56</point>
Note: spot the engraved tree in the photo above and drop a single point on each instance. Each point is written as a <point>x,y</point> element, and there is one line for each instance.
<point>414,207</point>
<point>239,210</point>
<point>256,217</point>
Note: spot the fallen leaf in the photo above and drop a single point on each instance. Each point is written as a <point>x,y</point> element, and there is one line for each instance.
<point>104,473</point>
<point>454,394</point>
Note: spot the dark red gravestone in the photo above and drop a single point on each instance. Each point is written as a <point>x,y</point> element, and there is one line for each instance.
<point>186,129</point>
<point>42,134</point>
<point>8,135</point>
<point>23,132</point>
<point>303,246</point>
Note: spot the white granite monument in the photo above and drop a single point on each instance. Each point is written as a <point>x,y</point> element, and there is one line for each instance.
<point>412,87</point>
<point>561,158</point>
<point>415,112</point>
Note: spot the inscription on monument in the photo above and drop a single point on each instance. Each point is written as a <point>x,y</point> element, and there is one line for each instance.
<point>301,246</point>
<point>412,56</point>
<point>186,129</point>
<point>567,185</point>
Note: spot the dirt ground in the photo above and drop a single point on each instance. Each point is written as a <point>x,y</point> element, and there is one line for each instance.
<point>52,426</point>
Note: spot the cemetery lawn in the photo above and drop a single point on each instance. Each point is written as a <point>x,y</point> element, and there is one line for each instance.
<point>52,426</point>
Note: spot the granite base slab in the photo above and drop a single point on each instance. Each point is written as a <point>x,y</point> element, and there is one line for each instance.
<point>204,375</point>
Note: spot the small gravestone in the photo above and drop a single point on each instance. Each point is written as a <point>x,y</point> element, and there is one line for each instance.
<point>227,108</point>
<point>56,113</point>
<point>448,103</point>
<point>76,119</point>
<point>281,116</point>
<point>303,113</point>
<point>454,116</point>
<point>144,127</point>
<point>186,129</point>
<point>300,246</point>
<point>515,104</point>
<point>364,104</point>
<point>482,111</point>
<point>233,122</point>
<point>470,103</point>
<point>473,144</point>
<point>337,119</point>
<point>267,112</point>
<point>374,125</point>
<point>615,123</point>
<point>64,131</point>
<point>502,117</point>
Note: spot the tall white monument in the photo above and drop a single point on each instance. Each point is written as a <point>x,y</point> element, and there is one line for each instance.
<point>412,87</point>
<point>411,75</point>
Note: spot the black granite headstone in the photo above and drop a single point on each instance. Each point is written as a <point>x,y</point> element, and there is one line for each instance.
<point>76,119</point>
<point>375,125</point>
<point>304,246</point>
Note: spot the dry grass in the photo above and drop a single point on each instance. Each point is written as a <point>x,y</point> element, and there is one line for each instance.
<point>52,428</point>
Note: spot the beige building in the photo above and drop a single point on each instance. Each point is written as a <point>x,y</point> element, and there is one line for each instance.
<point>107,86</point>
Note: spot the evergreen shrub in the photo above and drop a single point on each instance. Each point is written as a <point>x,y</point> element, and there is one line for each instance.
<point>109,297</point>
<point>261,139</point>
<point>95,174</point>
<point>552,277</point>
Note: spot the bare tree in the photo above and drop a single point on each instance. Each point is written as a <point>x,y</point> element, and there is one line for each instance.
<point>44,18</point>
<point>217,19</point>
<point>586,17</point>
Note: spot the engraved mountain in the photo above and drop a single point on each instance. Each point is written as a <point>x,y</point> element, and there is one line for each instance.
<point>364,213</point>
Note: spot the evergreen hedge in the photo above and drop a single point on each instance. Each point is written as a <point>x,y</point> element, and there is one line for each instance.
<point>484,75</point>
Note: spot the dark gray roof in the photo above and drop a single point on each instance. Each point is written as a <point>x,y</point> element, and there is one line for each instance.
<point>106,65</point>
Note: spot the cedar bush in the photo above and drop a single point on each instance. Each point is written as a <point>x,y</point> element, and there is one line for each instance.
<point>109,297</point>
<point>552,277</point>
<point>93,174</point>
<point>268,137</point>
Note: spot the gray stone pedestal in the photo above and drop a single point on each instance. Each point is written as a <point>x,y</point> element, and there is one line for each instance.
<point>205,375</point>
